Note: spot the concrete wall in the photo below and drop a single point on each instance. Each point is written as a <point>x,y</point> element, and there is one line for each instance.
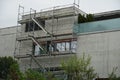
<point>58,26</point>
<point>44,61</point>
<point>104,48</point>
<point>7,41</point>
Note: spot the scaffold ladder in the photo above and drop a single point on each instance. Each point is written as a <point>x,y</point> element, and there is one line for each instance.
<point>42,69</point>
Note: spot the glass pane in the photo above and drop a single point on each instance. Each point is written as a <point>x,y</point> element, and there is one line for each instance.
<point>67,46</point>
<point>63,46</point>
<point>37,50</point>
<point>59,46</point>
<point>73,46</point>
<point>103,25</point>
<point>51,48</point>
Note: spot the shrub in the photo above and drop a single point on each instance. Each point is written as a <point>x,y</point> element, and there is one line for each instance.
<point>79,68</point>
<point>14,73</point>
<point>5,63</point>
<point>34,75</point>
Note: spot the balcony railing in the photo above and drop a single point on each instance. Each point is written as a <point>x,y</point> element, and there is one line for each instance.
<point>97,26</point>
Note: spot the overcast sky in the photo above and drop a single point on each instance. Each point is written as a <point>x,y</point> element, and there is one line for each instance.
<point>9,8</point>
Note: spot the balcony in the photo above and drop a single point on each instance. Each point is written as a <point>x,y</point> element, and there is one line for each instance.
<point>97,26</point>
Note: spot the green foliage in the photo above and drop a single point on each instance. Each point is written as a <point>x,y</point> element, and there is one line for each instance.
<point>15,73</point>
<point>79,68</point>
<point>113,76</point>
<point>5,63</point>
<point>81,18</point>
<point>34,75</point>
<point>87,18</point>
<point>75,68</point>
<point>51,76</point>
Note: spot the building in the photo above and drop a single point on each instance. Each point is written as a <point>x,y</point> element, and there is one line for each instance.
<point>7,41</point>
<point>46,38</point>
<point>100,39</point>
<point>43,39</point>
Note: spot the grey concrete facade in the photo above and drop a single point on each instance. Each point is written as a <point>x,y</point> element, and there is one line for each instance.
<point>7,41</point>
<point>104,48</point>
<point>15,41</point>
<point>61,25</point>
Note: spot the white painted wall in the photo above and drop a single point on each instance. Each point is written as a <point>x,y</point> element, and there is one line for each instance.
<point>104,48</point>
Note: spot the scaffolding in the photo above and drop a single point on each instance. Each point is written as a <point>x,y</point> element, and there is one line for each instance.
<point>23,17</point>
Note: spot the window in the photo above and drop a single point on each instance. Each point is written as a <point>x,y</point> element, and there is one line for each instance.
<point>67,46</point>
<point>51,47</point>
<point>30,26</point>
<point>60,46</point>
<point>63,46</point>
<point>37,51</point>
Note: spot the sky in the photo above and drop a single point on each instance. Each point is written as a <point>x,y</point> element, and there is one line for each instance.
<point>9,8</point>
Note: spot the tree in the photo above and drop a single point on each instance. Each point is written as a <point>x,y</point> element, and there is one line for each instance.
<point>5,63</point>
<point>89,18</point>
<point>79,68</point>
<point>81,18</point>
<point>15,73</point>
<point>85,18</point>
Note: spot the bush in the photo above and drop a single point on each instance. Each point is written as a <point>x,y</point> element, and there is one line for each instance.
<point>14,73</point>
<point>50,76</point>
<point>5,63</point>
<point>79,68</point>
<point>34,75</point>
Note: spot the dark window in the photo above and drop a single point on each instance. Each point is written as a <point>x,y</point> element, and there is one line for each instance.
<point>51,46</point>
<point>30,26</point>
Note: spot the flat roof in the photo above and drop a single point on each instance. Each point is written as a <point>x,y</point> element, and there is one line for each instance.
<point>56,13</point>
<point>107,15</point>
